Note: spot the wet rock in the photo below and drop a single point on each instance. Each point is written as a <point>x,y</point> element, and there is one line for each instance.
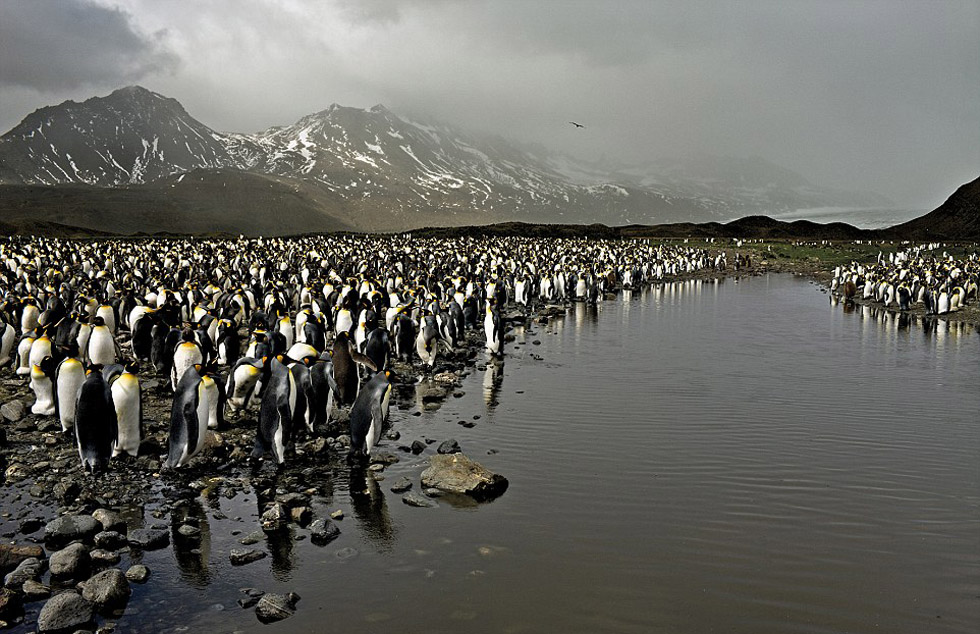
<point>69,528</point>
<point>293,500</point>
<point>138,573</point>
<point>12,556</point>
<point>456,473</point>
<point>401,485</point>
<point>110,540</point>
<point>252,538</point>
<point>13,410</point>
<point>72,562</point>
<point>30,525</point>
<point>110,520</point>
<point>109,588</point>
<point>102,558</point>
<point>67,611</point>
<point>420,501</point>
<point>275,519</point>
<point>11,605</point>
<point>241,557</point>
<point>149,538</point>
<point>67,491</point>
<point>301,515</point>
<point>448,447</point>
<point>337,515</point>
<point>383,458</point>
<point>188,531</point>
<point>276,607</point>
<point>35,591</point>
<point>417,447</point>
<point>24,572</point>
<point>323,531</point>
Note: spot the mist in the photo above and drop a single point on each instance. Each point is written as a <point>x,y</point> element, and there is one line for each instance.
<point>873,96</point>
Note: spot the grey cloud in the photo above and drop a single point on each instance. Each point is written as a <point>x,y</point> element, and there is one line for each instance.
<point>50,46</point>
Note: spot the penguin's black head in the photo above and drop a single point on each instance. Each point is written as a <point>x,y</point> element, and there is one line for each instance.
<point>98,321</point>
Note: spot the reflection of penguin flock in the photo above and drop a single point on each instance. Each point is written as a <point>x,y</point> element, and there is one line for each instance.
<point>292,327</point>
<point>910,277</point>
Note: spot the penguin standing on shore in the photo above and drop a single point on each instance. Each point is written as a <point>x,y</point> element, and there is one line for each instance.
<point>241,383</point>
<point>124,386</point>
<point>43,387</point>
<point>95,422</point>
<point>187,354</point>
<point>188,419</point>
<point>493,329</point>
<point>368,416</point>
<point>276,413</point>
<point>69,376</point>
<point>344,370</point>
<point>101,346</point>
<point>7,339</point>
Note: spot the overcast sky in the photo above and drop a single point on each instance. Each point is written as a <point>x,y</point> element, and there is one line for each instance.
<point>879,96</point>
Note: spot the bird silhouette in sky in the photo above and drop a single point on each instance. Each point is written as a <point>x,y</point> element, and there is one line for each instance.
<point>577,125</point>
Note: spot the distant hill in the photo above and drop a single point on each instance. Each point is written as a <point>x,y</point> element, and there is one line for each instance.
<point>368,169</point>
<point>956,219</point>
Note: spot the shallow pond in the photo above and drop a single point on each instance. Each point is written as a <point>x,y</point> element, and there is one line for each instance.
<point>732,455</point>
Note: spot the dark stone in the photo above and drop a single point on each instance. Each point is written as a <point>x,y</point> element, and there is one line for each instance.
<point>102,558</point>
<point>109,588</point>
<point>248,602</point>
<point>13,410</point>
<point>110,520</point>
<point>71,562</point>
<point>420,501</point>
<point>418,447</point>
<point>323,531</point>
<point>67,611</point>
<point>11,556</point>
<point>110,540</point>
<point>276,607</point>
<point>138,573</point>
<point>149,538</point>
<point>448,447</point>
<point>275,519</point>
<point>401,485</point>
<point>25,571</point>
<point>241,557</point>
<point>293,500</point>
<point>69,528</point>
<point>188,531</point>
<point>30,525</point>
<point>252,538</point>
<point>35,591</point>
<point>11,605</point>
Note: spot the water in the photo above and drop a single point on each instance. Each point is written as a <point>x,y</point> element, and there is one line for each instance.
<point>736,456</point>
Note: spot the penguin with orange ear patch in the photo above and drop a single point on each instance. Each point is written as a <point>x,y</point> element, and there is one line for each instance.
<point>188,418</point>
<point>280,396</point>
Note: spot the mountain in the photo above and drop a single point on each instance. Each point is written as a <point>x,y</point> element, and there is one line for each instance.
<point>372,170</point>
<point>956,219</point>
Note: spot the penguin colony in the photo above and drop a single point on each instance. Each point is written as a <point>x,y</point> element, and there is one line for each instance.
<point>285,330</point>
<point>911,277</point>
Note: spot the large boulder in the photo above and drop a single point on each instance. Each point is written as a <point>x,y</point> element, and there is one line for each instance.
<point>67,611</point>
<point>70,528</point>
<point>72,562</point>
<point>26,570</point>
<point>149,538</point>
<point>109,588</point>
<point>457,473</point>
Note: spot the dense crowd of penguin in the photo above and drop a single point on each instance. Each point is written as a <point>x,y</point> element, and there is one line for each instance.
<point>941,284</point>
<point>294,327</point>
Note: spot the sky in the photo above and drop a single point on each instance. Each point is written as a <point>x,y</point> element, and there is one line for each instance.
<point>879,96</point>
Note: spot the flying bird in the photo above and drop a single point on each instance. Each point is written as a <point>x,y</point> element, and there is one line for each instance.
<point>577,125</point>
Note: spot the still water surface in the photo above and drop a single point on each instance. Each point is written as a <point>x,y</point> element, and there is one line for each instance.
<point>731,456</point>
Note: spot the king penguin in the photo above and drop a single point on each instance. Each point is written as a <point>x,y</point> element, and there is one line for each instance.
<point>188,419</point>
<point>69,376</point>
<point>368,416</point>
<point>95,422</point>
<point>276,413</point>
<point>124,385</point>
